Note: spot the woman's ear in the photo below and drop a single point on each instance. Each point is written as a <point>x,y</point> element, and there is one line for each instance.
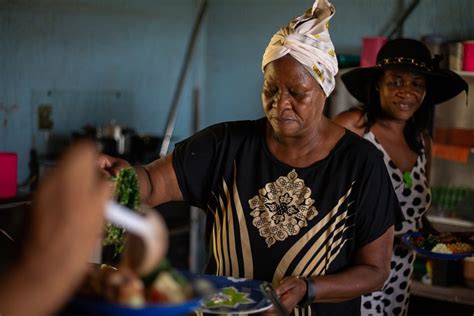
<point>377,85</point>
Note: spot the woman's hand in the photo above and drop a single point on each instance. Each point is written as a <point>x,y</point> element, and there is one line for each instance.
<point>291,291</point>
<point>111,166</point>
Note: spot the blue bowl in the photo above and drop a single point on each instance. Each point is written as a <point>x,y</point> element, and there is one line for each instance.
<point>103,308</point>
<point>256,301</point>
<point>90,307</point>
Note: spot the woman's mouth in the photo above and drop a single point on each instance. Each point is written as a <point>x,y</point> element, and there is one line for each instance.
<point>404,106</point>
<point>284,120</point>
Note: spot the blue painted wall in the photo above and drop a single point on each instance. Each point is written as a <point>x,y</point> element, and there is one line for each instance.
<point>92,49</point>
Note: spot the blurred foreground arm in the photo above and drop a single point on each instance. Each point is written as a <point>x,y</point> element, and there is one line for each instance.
<point>66,220</point>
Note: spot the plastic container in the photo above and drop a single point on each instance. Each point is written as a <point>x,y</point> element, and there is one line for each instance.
<point>370,49</point>
<point>468,59</point>
<point>468,271</point>
<point>8,174</point>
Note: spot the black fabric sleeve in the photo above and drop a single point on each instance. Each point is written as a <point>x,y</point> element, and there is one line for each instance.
<point>378,206</point>
<point>195,161</point>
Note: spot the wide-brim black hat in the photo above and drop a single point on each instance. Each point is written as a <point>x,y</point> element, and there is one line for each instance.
<point>402,53</point>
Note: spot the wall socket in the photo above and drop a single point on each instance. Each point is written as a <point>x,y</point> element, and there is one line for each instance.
<point>45,120</point>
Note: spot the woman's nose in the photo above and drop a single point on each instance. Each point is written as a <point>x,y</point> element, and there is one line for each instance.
<point>280,100</point>
<point>405,90</point>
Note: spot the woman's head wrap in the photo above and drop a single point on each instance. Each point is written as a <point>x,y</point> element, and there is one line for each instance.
<point>307,39</point>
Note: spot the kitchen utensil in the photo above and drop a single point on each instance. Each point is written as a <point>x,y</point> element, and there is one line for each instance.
<point>456,52</point>
<point>270,293</point>
<point>149,240</point>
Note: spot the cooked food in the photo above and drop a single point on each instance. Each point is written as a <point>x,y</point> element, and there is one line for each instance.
<point>122,286</point>
<point>167,289</point>
<point>119,286</point>
<point>441,248</point>
<point>460,247</point>
<point>449,243</point>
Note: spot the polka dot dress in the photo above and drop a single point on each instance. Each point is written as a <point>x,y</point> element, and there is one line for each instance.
<point>414,201</point>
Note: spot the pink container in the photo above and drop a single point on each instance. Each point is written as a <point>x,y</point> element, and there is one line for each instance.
<point>468,61</point>
<point>8,174</point>
<point>370,48</point>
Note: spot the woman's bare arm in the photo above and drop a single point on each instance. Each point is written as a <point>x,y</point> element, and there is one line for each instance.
<point>164,187</point>
<point>353,120</point>
<point>157,180</point>
<point>367,274</point>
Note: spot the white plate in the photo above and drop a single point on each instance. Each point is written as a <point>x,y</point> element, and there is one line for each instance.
<point>234,296</point>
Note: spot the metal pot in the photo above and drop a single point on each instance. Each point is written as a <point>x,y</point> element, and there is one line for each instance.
<point>120,134</point>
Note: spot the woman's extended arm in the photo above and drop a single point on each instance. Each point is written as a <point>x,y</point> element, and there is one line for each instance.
<point>165,186</point>
<point>368,273</point>
<point>157,180</point>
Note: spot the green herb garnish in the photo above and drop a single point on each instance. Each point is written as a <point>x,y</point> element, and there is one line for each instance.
<point>127,193</point>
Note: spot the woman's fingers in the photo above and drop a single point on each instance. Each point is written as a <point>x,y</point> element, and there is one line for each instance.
<point>110,165</point>
<point>291,290</point>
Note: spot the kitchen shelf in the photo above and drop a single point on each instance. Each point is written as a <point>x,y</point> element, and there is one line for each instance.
<point>454,136</point>
<point>455,294</point>
<point>451,222</point>
<point>451,152</point>
<point>465,73</point>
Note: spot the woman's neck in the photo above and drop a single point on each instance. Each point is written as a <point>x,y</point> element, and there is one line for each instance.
<point>394,126</point>
<point>303,151</point>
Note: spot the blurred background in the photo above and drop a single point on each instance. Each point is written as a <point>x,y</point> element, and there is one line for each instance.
<point>114,70</point>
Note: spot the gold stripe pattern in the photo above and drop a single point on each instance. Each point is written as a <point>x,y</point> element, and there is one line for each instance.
<point>244,234</point>
<point>321,242</point>
<point>292,253</point>
<point>223,235</point>
<point>225,248</point>
<point>231,237</point>
<point>217,243</point>
<point>320,269</point>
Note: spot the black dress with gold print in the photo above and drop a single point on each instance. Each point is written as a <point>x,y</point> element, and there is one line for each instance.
<point>267,220</point>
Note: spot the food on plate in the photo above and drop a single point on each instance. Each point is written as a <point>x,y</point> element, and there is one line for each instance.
<point>449,243</point>
<point>460,247</point>
<point>110,284</point>
<point>122,286</point>
<point>441,248</point>
<point>167,288</point>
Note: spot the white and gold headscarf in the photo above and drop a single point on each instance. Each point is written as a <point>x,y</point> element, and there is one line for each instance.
<point>307,39</point>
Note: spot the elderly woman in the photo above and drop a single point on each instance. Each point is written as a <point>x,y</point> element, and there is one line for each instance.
<point>397,98</point>
<point>291,198</point>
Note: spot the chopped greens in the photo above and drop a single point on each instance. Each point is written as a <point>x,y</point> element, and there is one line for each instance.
<point>126,193</point>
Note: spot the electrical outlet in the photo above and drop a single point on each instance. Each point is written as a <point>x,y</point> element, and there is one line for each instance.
<point>45,120</point>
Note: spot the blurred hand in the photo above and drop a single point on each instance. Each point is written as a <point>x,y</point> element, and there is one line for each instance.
<point>290,290</point>
<point>111,166</point>
<point>66,222</point>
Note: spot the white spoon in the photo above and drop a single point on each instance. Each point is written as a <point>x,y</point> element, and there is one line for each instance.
<point>141,254</point>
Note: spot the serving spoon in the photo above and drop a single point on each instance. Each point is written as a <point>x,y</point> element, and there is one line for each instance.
<point>147,242</point>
